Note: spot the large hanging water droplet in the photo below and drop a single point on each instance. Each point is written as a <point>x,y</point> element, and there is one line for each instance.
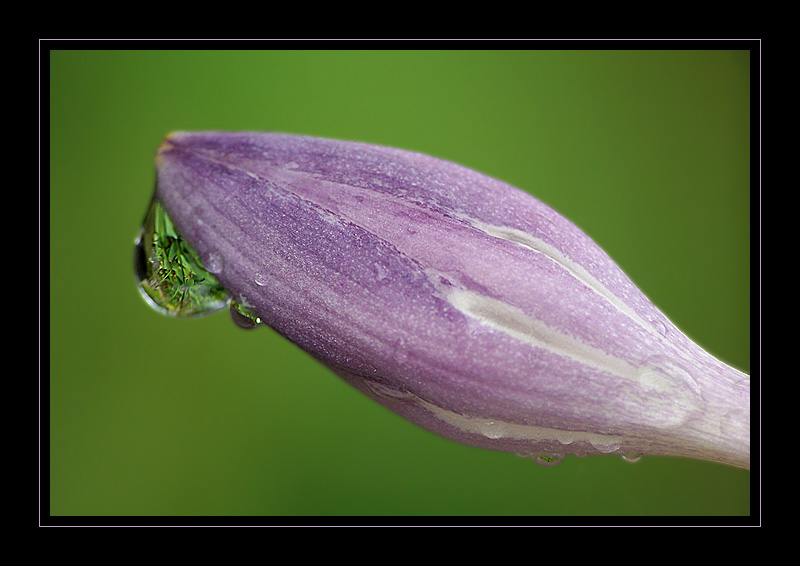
<point>171,277</point>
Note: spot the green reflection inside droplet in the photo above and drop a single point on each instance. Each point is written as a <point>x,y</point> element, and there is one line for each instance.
<point>243,317</point>
<point>171,276</point>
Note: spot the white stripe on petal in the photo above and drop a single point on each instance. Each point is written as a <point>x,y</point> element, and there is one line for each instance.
<point>576,270</point>
<point>513,321</point>
<point>504,430</point>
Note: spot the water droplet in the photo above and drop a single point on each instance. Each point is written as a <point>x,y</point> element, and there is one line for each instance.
<point>669,392</point>
<point>492,429</point>
<point>632,458</point>
<point>213,262</point>
<point>171,277</point>
<point>386,392</point>
<point>663,374</point>
<point>381,273</point>
<point>735,419</point>
<point>243,317</point>
<point>660,327</point>
<point>548,459</point>
<point>400,351</point>
<point>260,279</point>
<point>198,213</point>
<point>605,446</point>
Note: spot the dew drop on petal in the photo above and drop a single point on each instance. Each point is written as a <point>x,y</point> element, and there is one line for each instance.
<point>213,262</point>
<point>400,352</point>
<point>669,391</point>
<point>734,419</point>
<point>381,273</point>
<point>386,392</point>
<point>492,429</point>
<point>606,447</point>
<point>548,459</point>
<point>243,317</point>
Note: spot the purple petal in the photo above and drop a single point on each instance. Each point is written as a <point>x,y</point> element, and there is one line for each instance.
<point>458,301</point>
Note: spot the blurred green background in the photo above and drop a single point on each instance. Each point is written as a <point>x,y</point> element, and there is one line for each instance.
<point>647,151</point>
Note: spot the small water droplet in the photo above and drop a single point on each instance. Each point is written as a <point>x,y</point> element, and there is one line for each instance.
<point>243,317</point>
<point>492,429</point>
<point>735,419</point>
<point>381,272</point>
<point>198,213</point>
<point>213,262</point>
<point>548,459</point>
<point>386,392</point>
<point>260,279</point>
<point>669,391</point>
<point>632,458</point>
<point>660,373</point>
<point>400,351</point>
<point>605,446</point>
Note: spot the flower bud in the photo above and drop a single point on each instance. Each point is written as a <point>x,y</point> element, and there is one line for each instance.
<point>463,304</point>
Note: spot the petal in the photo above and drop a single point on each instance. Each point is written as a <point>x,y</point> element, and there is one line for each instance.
<point>458,301</point>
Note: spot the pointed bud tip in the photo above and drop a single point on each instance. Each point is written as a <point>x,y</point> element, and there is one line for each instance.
<point>169,141</point>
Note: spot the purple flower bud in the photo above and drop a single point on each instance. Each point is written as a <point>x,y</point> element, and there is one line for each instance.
<point>462,303</point>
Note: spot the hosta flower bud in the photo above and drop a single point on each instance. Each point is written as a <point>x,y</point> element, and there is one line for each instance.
<point>463,304</point>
